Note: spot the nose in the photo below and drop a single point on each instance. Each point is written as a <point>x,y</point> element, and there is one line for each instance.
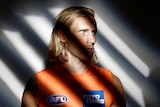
<point>91,39</point>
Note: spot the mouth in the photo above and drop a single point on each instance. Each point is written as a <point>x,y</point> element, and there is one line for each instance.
<point>90,49</point>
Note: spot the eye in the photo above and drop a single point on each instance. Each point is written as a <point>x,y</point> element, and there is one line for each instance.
<point>81,31</point>
<point>94,32</point>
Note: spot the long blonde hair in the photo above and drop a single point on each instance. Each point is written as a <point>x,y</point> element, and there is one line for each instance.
<point>57,50</point>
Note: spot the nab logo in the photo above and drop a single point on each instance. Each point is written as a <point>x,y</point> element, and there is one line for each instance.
<point>57,99</point>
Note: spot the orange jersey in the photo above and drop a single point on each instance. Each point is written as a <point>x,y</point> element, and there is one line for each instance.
<point>56,87</point>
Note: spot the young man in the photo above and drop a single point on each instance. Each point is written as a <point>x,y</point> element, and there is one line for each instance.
<point>74,80</point>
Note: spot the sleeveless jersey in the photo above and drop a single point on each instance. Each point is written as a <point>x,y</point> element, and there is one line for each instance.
<point>56,87</point>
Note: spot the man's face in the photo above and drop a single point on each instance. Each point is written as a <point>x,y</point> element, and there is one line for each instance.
<point>81,43</point>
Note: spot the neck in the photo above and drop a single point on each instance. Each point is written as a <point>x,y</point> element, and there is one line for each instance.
<point>74,65</point>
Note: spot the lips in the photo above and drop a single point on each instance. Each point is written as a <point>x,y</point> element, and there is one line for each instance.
<point>90,49</point>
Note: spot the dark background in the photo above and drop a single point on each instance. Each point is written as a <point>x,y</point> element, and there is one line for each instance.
<point>140,16</point>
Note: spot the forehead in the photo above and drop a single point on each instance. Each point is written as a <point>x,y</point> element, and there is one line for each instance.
<point>82,23</point>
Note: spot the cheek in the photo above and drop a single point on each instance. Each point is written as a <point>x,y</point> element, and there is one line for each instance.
<point>82,41</point>
<point>77,46</point>
<point>77,41</point>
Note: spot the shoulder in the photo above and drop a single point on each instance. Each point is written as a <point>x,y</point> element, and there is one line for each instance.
<point>29,95</point>
<point>31,84</point>
<point>119,95</point>
<point>116,81</point>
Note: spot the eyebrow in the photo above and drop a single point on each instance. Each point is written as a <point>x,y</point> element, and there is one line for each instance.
<point>83,30</point>
<point>94,30</point>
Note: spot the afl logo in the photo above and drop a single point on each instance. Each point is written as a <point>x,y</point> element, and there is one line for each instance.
<point>57,99</point>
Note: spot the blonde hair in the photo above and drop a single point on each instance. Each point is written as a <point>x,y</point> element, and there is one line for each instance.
<point>57,50</point>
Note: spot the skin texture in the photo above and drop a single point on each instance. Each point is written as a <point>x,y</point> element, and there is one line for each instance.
<point>81,42</point>
<point>29,94</point>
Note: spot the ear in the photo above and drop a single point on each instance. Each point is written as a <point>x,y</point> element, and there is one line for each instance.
<point>61,36</point>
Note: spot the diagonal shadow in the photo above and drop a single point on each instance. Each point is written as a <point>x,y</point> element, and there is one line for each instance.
<point>7,99</point>
<point>14,61</point>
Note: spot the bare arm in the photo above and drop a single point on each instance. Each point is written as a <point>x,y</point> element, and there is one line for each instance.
<point>118,93</point>
<point>29,95</point>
